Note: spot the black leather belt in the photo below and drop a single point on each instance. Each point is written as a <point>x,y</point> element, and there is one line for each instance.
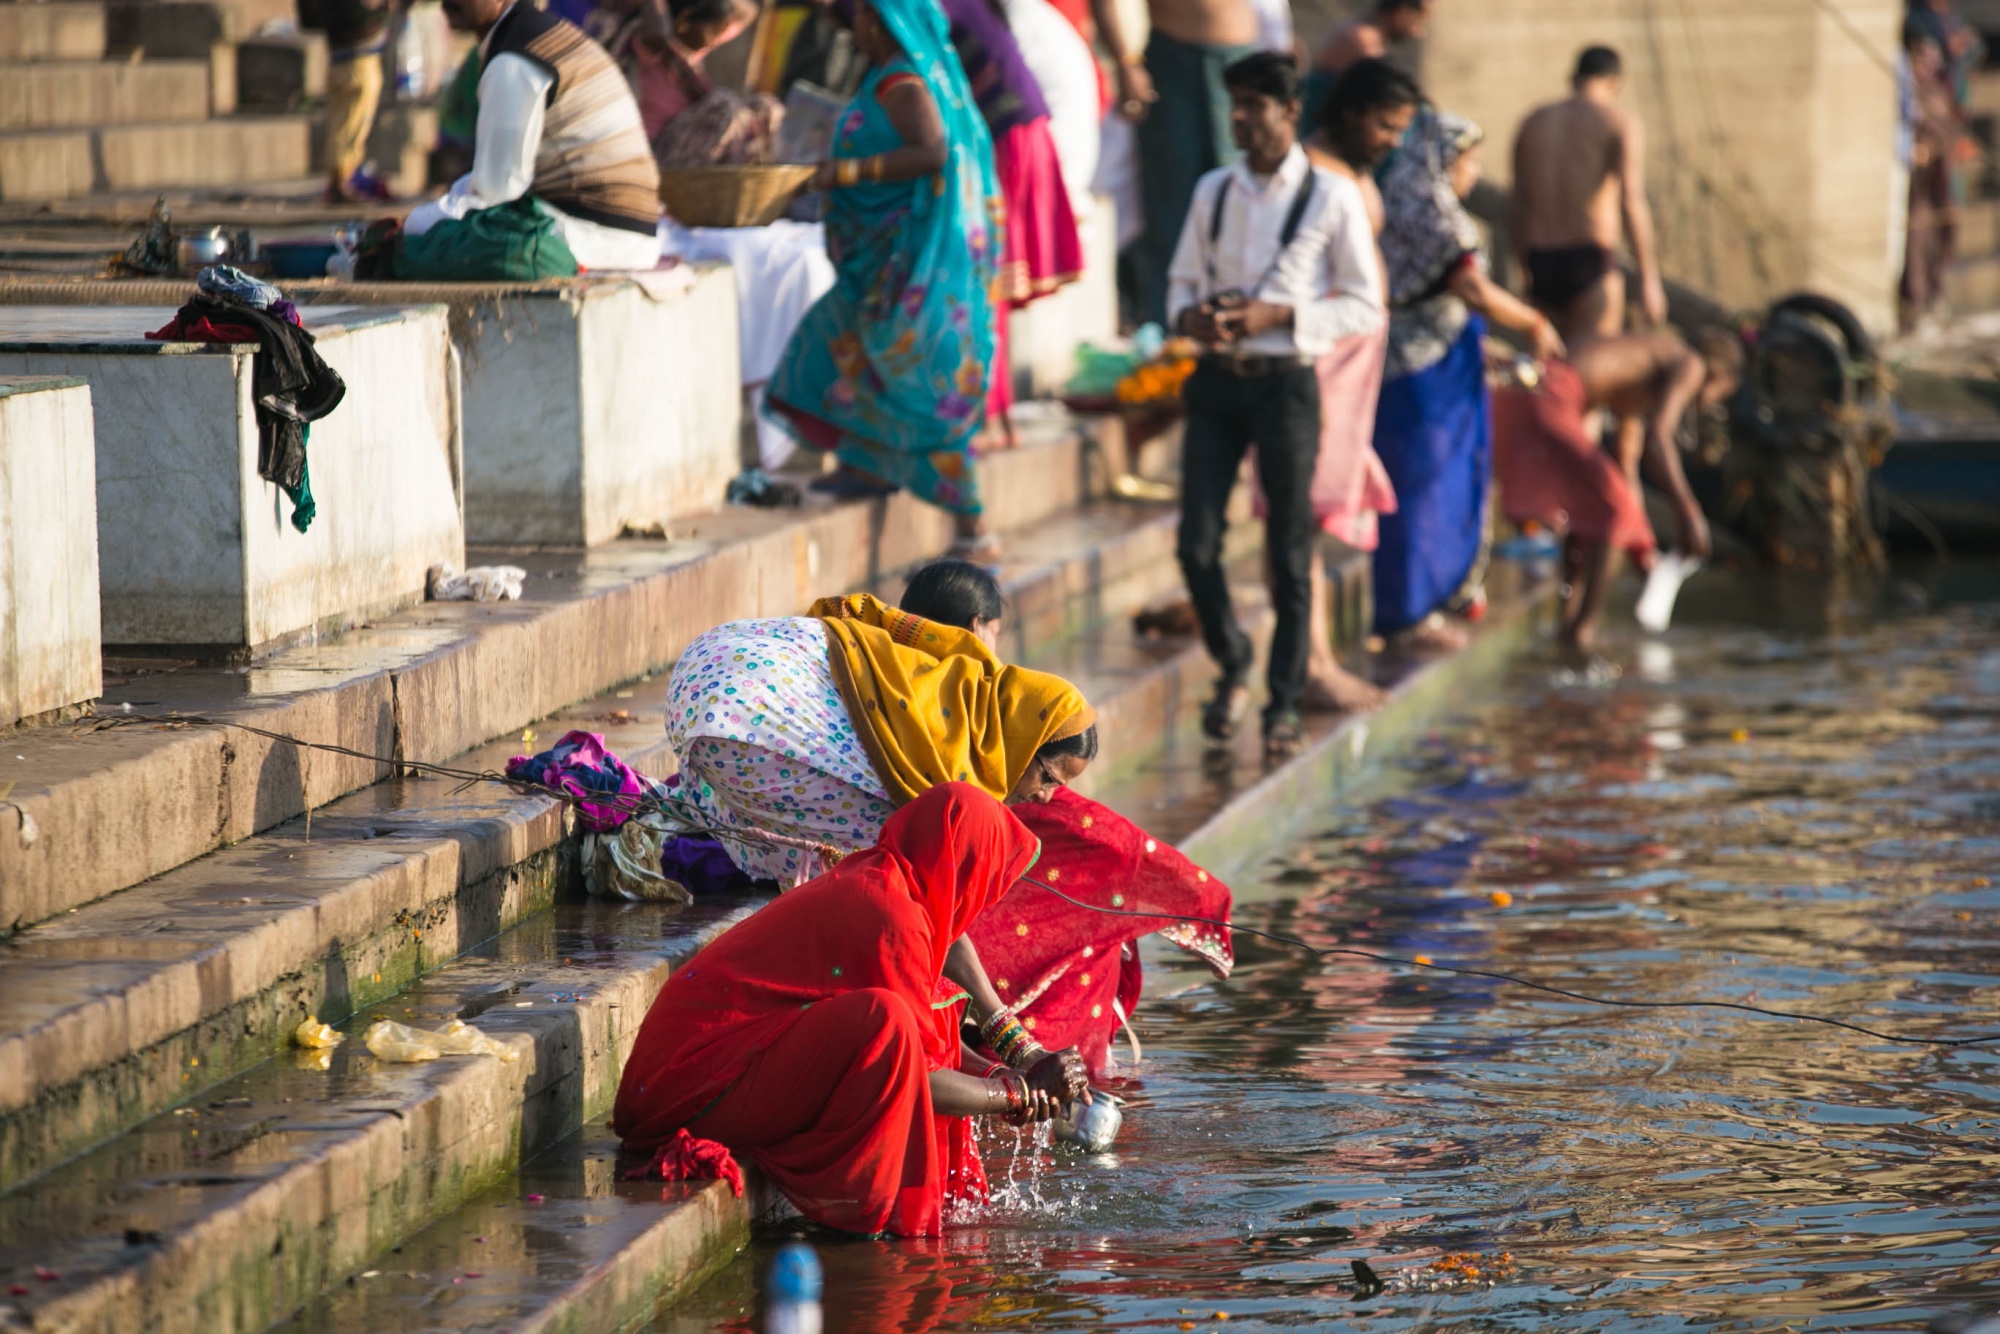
<point>1253,366</point>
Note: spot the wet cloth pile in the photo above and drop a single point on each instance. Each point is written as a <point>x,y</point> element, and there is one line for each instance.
<point>643,855</point>
<point>289,384</point>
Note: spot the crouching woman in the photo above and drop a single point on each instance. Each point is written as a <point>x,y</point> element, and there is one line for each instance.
<point>819,1038</point>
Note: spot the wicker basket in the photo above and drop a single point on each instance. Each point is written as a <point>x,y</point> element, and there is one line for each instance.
<point>731,196</point>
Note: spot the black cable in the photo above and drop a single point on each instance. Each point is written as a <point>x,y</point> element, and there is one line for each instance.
<point>634,803</point>
<point>1744,1006</point>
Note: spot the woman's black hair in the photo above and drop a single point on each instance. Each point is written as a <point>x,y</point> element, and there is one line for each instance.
<point>702,11</point>
<point>1082,746</point>
<point>1365,86</point>
<point>953,592</point>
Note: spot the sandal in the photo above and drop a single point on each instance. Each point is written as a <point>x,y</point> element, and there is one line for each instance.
<point>1222,714</point>
<point>1284,736</point>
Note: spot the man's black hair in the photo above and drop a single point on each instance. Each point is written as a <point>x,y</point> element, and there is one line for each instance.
<point>701,11</point>
<point>1264,72</point>
<point>1398,6</point>
<point>1597,62</point>
<point>1365,86</point>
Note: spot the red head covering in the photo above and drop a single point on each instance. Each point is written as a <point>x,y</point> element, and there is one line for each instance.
<point>881,920</point>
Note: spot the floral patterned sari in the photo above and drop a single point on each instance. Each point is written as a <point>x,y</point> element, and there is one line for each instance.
<point>889,369</point>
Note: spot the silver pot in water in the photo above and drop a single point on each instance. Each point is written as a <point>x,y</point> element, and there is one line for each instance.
<point>198,250</point>
<point>1092,1126</point>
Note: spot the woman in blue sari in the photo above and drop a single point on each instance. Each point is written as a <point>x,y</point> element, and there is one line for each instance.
<point>889,369</point>
<point>1432,429</point>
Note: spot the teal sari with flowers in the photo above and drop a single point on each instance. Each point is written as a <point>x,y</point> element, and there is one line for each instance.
<point>889,369</point>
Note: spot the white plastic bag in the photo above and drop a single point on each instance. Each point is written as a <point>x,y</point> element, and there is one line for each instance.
<point>481,583</point>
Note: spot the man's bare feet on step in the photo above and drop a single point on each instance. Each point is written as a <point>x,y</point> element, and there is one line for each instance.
<point>1337,690</point>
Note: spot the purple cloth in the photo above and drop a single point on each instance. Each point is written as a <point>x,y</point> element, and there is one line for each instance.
<point>701,864</point>
<point>580,765</point>
<point>1006,92</point>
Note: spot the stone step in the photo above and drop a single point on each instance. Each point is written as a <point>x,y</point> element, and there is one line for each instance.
<point>118,806</point>
<point>185,154</point>
<point>1973,283</point>
<point>57,31</point>
<point>75,93</point>
<point>233,949</point>
<point>281,73</point>
<point>227,1213</point>
<point>1977,231</point>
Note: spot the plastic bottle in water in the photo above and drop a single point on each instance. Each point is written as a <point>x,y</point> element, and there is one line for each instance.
<point>795,1289</point>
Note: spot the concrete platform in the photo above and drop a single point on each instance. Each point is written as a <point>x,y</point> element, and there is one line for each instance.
<point>56,31</point>
<point>194,548</point>
<point>599,405</point>
<point>50,645</point>
<point>48,94</point>
<point>593,405</point>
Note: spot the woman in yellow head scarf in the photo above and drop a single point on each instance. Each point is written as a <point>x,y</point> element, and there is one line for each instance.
<point>818,727</point>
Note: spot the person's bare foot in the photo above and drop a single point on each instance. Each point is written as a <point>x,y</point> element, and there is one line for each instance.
<point>1337,690</point>
<point>1433,634</point>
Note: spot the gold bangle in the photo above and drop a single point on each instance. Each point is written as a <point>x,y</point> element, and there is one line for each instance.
<point>846,171</point>
<point>875,168</point>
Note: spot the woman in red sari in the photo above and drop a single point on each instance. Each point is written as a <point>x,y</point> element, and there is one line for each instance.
<point>1072,975</point>
<point>818,1040</point>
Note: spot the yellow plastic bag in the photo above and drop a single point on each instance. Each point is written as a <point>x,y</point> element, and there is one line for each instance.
<point>315,1036</point>
<point>391,1041</point>
<point>459,1038</point>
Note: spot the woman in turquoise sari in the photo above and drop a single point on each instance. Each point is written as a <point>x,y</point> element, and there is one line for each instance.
<point>889,369</point>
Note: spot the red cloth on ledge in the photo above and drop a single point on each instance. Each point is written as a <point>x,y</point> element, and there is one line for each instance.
<point>803,1038</point>
<point>1551,471</point>
<point>685,1158</point>
<point>204,330</point>
<point>1067,971</point>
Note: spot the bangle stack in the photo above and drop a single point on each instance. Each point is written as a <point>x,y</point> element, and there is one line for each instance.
<point>1008,1038</point>
<point>1016,1090</point>
<point>846,171</point>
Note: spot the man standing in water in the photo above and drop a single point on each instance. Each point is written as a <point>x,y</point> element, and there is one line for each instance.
<point>1175,93</point>
<point>1579,191</point>
<point>1276,265</point>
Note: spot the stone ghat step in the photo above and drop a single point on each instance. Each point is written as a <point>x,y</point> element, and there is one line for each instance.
<point>116,1010</point>
<point>230,1219</point>
<point>184,154</point>
<point>113,807</point>
<point>492,1266</point>
<point>562,1245</point>
<point>44,95</point>
<point>57,31</point>
<point>239,1207</point>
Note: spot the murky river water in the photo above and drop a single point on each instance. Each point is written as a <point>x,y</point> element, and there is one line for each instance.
<point>1805,816</point>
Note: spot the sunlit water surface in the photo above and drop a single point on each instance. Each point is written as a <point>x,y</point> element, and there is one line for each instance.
<point>1805,816</point>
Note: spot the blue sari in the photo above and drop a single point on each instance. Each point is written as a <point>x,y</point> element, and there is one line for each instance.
<point>1433,431</point>
<point>889,369</point>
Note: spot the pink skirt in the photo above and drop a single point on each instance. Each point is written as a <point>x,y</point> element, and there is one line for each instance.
<point>1040,250</point>
<point>1350,487</point>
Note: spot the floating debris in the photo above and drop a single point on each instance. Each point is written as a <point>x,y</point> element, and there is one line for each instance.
<point>1367,1283</point>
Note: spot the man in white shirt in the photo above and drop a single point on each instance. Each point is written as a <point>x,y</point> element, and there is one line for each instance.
<point>558,123</point>
<point>1276,262</point>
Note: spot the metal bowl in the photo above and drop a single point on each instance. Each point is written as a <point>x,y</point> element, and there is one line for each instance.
<point>200,249</point>
<point>1093,1126</point>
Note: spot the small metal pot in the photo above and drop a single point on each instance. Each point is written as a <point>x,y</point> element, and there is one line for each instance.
<point>1093,1126</point>
<point>198,250</point>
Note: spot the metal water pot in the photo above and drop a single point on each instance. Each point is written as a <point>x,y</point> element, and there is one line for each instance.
<point>198,250</point>
<point>1093,1126</point>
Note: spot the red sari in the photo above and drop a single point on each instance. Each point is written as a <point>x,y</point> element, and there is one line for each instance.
<point>804,1037</point>
<point>1068,972</point>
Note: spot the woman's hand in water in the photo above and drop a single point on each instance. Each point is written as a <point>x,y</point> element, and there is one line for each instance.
<point>1061,1075</point>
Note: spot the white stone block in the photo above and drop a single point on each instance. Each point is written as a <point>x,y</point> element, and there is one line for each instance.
<point>612,402</point>
<point>51,653</point>
<point>1044,335</point>
<point>195,548</point>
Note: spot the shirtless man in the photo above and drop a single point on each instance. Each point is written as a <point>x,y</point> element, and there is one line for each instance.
<point>1579,189</point>
<point>1174,92</point>
<point>1552,471</point>
<point>1369,36</point>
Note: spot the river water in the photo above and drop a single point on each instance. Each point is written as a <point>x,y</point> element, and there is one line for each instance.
<point>1791,799</point>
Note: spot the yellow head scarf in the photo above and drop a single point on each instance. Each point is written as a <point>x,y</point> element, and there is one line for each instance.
<point>932,704</point>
